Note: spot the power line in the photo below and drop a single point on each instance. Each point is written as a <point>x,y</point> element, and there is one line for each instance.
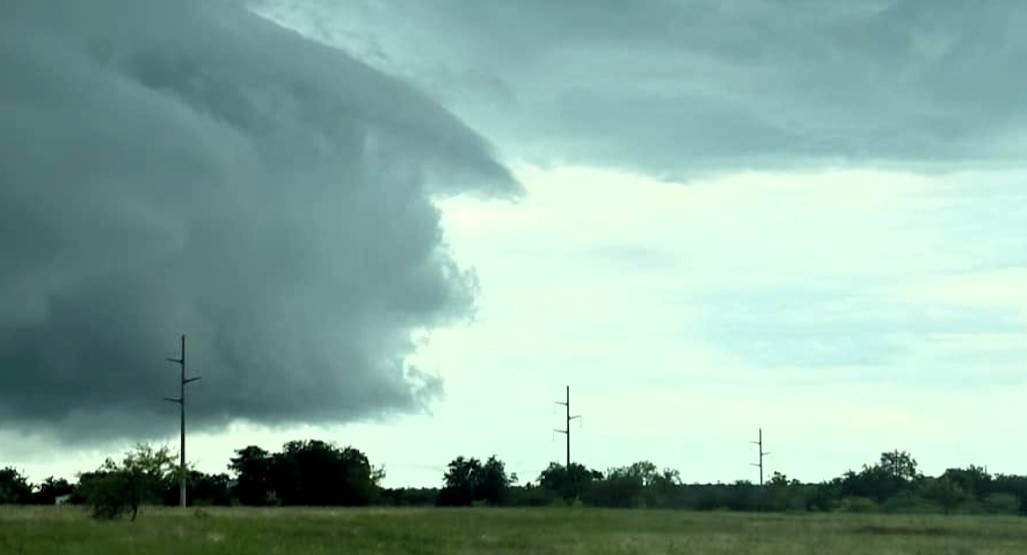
<point>181,403</point>
<point>567,430</point>
<point>762,454</point>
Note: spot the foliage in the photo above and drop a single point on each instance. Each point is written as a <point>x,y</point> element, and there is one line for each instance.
<point>409,497</point>
<point>1000,503</point>
<point>204,490</point>
<point>568,483</point>
<point>945,491</point>
<point>311,472</point>
<point>857,505</point>
<point>14,487</point>
<point>252,467</point>
<point>469,481</point>
<point>896,471</point>
<point>640,484</point>
<point>50,489</point>
<point>782,494</point>
<point>119,488</point>
<point>318,473</point>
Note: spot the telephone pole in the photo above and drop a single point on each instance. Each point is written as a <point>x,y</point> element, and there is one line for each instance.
<point>762,454</point>
<point>567,430</point>
<point>181,403</point>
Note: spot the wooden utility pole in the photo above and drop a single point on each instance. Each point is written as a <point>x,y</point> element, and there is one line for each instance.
<point>762,454</point>
<point>181,403</point>
<point>567,431</point>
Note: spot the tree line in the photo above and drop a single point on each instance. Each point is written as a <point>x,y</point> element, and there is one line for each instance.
<point>319,473</point>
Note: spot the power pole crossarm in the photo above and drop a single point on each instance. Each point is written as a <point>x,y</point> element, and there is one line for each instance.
<point>181,402</point>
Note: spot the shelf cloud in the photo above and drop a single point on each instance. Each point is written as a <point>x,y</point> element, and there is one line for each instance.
<point>190,167</point>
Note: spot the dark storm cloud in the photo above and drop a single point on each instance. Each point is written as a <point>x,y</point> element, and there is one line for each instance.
<point>186,166</point>
<point>680,86</point>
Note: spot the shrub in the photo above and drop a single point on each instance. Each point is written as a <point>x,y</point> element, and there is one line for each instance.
<point>116,489</point>
<point>857,505</point>
<point>1001,503</point>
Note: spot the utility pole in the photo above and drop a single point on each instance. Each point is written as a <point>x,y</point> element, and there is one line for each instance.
<point>567,430</point>
<point>762,454</point>
<point>181,403</point>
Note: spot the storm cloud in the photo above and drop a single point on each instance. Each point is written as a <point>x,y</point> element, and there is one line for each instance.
<point>190,167</point>
<point>683,87</point>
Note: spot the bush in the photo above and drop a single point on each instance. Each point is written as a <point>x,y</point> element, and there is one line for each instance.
<point>115,489</point>
<point>107,494</point>
<point>857,505</point>
<point>14,488</point>
<point>907,502</point>
<point>1001,503</point>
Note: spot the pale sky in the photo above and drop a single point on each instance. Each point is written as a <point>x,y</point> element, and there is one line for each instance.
<point>845,312</point>
<point>700,233</point>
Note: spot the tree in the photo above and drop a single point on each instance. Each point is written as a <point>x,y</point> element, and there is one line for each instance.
<point>896,471</point>
<point>782,494</point>
<point>946,492</point>
<point>567,483</point>
<point>1013,485</point>
<point>665,489</point>
<point>204,489</point>
<point>460,477</point>
<point>621,487</point>
<point>252,469</point>
<point>50,489</point>
<point>311,472</point>
<point>492,482</point>
<point>974,480</point>
<point>115,489</point>
<point>469,480</point>
<point>1001,503</point>
<point>900,465</point>
<point>363,481</point>
<point>824,496</point>
<point>14,488</point>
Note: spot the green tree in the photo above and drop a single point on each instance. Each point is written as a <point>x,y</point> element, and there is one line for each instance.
<point>621,487</point>
<point>665,489</point>
<point>492,483</point>
<point>626,486</point>
<point>140,477</point>
<point>204,489</point>
<point>1001,503</point>
<point>459,482</point>
<point>946,492</point>
<point>50,489</point>
<point>782,494</point>
<point>468,480</point>
<point>252,468</point>
<point>896,471</point>
<point>568,483</point>
<point>314,472</point>
<point>900,465</point>
<point>14,488</point>
<point>973,480</point>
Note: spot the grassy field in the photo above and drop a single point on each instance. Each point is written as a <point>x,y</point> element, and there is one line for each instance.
<point>515,531</point>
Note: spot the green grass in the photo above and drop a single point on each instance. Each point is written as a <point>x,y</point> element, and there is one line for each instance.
<point>515,531</point>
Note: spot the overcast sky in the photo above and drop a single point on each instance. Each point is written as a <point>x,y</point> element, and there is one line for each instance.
<point>407,226</point>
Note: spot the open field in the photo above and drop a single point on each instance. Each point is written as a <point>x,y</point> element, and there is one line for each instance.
<point>516,531</point>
